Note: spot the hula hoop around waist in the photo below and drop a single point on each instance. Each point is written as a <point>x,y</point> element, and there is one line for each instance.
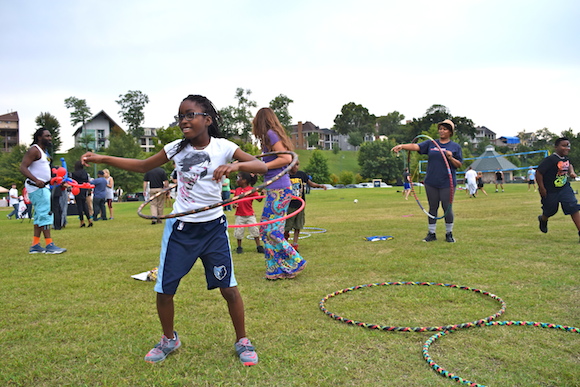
<point>223,202</point>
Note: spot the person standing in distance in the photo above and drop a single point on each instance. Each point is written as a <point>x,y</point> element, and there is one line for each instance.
<point>14,202</point>
<point>154,182</point>
<point>437,185</point>
<point>35,167</point>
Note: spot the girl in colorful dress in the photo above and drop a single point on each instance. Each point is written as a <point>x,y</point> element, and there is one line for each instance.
<point>282,260</point>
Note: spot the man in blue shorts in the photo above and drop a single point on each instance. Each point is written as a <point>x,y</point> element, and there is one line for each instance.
<point>553,181</point>
<point>35,167</point>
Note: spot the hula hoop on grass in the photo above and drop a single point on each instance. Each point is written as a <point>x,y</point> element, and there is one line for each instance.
<point>303,235</point>
<point>443,372</point>
<point>271,220</point>
<point>451,186</point>
<point>224,202</point>
<point>413,329</point>
<point>315,230</point>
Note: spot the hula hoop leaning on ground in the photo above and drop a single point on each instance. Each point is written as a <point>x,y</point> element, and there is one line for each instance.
<point>451,186</point>
<point>224,202</point>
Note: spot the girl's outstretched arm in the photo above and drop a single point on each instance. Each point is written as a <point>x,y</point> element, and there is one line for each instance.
<point>134,165</point>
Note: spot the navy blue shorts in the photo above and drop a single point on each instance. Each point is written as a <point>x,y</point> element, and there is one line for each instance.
<point>565,197</point>
<point>184,242</point>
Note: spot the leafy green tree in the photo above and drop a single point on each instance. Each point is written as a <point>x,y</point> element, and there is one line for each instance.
<point>10,167</point>
<point>544,139</point>
<point>165,136</point>
<point>354,119</point>
<point>378,162</point>
<point>318,168</point>
<point>132,105</point>
<point>355,138</point>
<point>390,125</point>
<point>313,139</point>
<point>125,145</point>
<point>50,122</point>
<point>346,177</point>
<point>80,114</point>
<point>237,120</point>
<point>280,106</point>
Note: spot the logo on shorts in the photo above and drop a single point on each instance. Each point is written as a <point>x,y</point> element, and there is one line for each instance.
<point>220,272</point>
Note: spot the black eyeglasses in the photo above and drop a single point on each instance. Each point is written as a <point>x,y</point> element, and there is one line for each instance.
<point>188,116</point>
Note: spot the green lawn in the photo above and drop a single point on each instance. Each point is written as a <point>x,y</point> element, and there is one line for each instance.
<point>78,319</point>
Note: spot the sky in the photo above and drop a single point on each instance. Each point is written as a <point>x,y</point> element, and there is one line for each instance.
<point>509,65</point>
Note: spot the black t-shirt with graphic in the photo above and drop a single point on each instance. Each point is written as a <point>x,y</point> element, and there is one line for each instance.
<point>554,170</point>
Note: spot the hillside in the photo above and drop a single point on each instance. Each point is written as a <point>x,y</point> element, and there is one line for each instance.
<point>343,161</point>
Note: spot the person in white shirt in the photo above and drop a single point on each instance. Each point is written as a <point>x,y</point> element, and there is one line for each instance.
<point>14,202</point>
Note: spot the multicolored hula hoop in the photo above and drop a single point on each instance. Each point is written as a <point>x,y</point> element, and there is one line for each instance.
<point>413,329</point>
<point>451,186</point>
<point>443,372</point>
<point>224,202</point>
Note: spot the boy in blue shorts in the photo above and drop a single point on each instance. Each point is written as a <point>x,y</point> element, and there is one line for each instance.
<point>553,181</point>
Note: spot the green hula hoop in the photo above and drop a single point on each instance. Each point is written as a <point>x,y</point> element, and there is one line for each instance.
<point>413,329</point>
<point>443,372</point>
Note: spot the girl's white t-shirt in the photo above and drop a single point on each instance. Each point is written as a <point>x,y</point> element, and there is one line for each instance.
<point>195,187</point>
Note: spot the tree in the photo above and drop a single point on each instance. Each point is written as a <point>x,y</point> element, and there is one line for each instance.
<point>390,124</point>
<point>48,121</point>
<point>354,119</point>
<point>81,113</point>
<point>125,145</point>
<point>318,168</point>
<point>312,139</point>
<point>377,161</point>
<point>165,136</point>
<point>10,166</point>
<point>280,106</point>
<point>132,106</point>
<point>237,120</point>
<point>355,139</point>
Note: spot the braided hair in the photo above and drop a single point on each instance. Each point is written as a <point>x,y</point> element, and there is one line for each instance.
<point>209,108</point>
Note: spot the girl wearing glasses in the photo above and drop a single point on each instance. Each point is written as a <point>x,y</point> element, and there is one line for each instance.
<point>202,159</point>
<point>282,260</point>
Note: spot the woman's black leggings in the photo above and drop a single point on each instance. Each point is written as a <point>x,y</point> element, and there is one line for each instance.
<point>82,207</point>
<point>436,196</point>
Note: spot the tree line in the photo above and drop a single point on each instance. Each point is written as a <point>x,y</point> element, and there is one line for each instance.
<point>354,120</point>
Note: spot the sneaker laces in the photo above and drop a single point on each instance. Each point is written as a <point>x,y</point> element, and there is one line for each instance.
<point>244,346</point>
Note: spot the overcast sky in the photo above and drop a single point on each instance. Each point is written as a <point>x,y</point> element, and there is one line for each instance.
<point>507,65</point>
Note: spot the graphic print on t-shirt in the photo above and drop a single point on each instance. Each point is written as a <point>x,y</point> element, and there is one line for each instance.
<point>193,167</point>
<point>562,174</point>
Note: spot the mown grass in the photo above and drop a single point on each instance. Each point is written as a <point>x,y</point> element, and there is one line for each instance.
<point>78,318</point>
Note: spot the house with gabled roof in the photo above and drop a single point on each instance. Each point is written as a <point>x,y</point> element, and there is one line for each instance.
<point>100,127</point>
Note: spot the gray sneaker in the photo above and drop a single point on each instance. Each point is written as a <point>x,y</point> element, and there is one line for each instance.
<point>246,352</point>
<point>163,348</point>
<point>53,249</point>
<point>36,249</point>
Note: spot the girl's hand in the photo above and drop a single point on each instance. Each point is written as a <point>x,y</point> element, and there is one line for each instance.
<point>224,170</point>
<point>91,157</point>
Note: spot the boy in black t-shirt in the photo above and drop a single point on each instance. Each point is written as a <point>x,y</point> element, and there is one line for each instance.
<point>552,177</point>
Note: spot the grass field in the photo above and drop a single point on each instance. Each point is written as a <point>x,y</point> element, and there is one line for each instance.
<point>78,319</point>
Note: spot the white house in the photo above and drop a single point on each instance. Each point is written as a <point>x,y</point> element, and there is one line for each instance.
<point>100,128</point>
